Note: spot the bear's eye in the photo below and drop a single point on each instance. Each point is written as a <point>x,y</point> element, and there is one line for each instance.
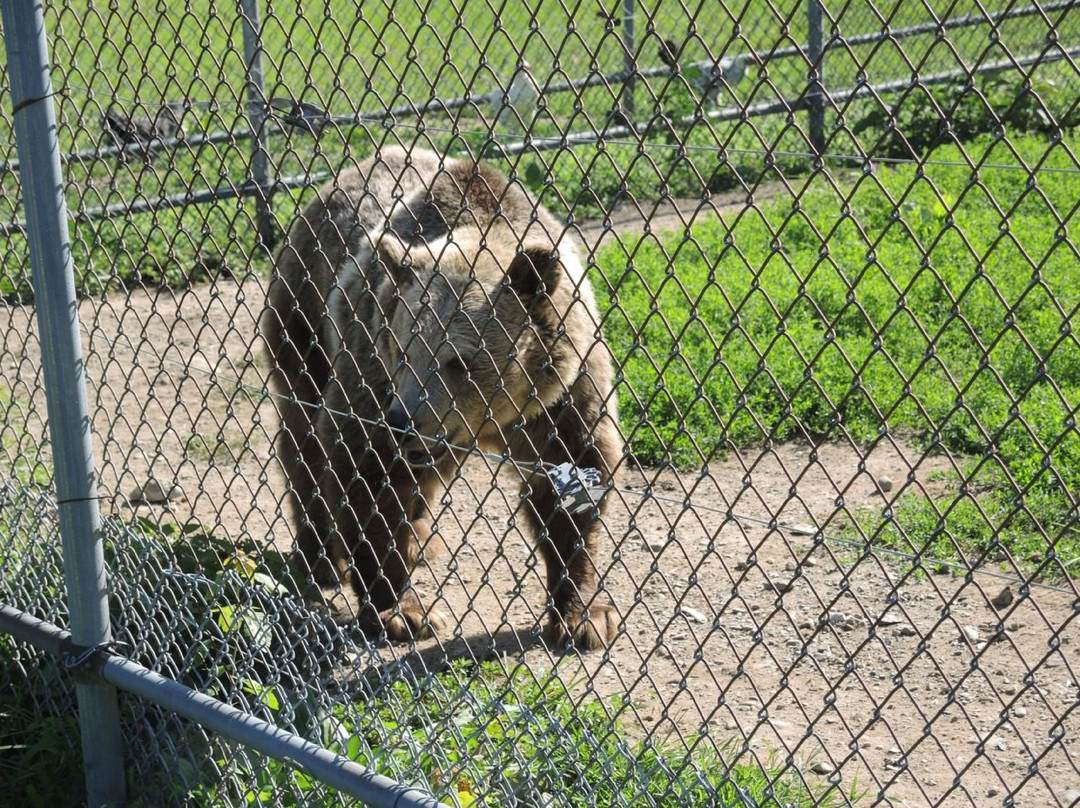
<point>456,365</point>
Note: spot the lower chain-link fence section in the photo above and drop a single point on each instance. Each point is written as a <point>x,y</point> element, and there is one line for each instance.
<point>575,405</point>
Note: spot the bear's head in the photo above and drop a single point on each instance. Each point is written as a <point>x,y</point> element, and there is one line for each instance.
<point>473,340</point>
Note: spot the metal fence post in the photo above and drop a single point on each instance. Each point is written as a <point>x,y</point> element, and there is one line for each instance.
<point>628,57</point>
<point>65,387</point>
<point>256,94</point>
<point>816,94</point>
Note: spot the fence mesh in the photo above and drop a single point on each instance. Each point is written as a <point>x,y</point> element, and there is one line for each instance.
<point>833,262</point>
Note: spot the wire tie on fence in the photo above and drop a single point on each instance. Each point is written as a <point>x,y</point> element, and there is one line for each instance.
<point>15,109</point>
<point>79,655</point>
<point>80,500</point>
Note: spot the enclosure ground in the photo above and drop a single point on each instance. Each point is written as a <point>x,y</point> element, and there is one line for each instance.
<point>739,622</point>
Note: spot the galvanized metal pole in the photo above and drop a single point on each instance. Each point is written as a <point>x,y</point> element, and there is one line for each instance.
<point>628,57</point>
<point>65,386</point>
<point>816,93</point>
<point>256,93</point>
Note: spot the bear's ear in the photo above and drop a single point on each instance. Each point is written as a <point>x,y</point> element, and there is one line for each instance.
<point>533,272</point>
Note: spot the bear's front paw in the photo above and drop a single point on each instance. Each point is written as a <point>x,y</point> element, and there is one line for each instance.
<point>589,630</point>
<point>408,621</point>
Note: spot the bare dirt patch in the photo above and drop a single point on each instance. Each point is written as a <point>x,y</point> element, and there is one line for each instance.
<point>738,623</point>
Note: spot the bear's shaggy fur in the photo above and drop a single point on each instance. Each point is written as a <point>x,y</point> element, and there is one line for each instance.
<point>422,307</point>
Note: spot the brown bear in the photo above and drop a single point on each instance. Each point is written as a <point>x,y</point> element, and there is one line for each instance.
<point>423,308</point>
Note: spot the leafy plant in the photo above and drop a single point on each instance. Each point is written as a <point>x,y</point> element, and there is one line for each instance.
<point>37,744</point>
<point>523,738</point>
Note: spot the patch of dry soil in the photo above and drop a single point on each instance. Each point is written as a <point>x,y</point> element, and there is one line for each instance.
<point>777,645</point>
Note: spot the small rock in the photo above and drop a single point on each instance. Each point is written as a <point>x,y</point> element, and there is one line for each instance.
<point>906,631</point>
<point>655,545</point>
<point>884,483</point>
<point>1000,635</point>
<point>890,619</point>
<point>802,530</point>
<point>778,585</point>
<point>1002,599</point>
<point>692,614</point>
<point>821,767</point>
<point>1020,712</point>
<point>971,633</point>
<point>153,492</point>
<point>836,618</point>
<point>992,792</point>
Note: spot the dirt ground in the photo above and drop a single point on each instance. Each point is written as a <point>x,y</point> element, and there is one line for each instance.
<point>738,621</point>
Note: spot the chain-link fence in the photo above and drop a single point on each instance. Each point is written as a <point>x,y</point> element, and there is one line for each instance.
<point>716,444</point>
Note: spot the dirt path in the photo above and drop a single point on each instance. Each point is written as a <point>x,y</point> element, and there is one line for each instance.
<point>778,646</point>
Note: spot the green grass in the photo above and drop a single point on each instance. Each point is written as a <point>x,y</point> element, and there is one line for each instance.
<point>368,56</point>
<point>350,57</point>
<point>182,246</point>
<point>916,301</point>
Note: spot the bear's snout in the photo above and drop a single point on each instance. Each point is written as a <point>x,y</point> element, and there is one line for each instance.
<point>397,419</point>
<point>416,448</point>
